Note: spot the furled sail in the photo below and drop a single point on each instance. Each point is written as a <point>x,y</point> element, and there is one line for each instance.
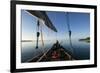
<point>42,15</point>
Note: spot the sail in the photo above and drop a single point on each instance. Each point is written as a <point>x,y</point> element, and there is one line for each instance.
<point>42,15</point>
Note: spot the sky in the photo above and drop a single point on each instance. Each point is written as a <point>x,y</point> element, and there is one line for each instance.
<point>79,25</point>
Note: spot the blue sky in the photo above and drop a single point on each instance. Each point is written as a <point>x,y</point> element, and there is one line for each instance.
<point>79,24</point>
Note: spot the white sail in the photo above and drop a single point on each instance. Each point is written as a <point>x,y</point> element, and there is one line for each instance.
<point>42,15</point>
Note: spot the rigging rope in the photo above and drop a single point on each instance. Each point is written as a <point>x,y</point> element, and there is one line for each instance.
<point>42,37</point>
<point>37,34</point>
<point>70,32</point>
<point>55,32</point>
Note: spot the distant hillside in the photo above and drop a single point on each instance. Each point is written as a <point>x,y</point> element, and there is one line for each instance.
<point>87,39</point>
<point>26,41</point>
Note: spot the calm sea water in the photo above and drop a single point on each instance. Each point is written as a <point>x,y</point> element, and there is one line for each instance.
<point>81,49</point>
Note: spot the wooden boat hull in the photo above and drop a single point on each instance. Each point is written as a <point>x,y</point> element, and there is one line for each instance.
<point>56,53</point>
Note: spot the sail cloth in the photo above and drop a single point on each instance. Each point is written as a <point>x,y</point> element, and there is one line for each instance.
<point>42,15</point>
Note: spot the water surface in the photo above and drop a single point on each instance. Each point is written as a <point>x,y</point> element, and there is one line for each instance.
<point>80,49</point>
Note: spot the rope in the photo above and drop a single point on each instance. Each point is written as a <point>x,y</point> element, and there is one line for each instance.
<point>55,32</point>
<point>37,34</point>
<point>70,32</point>
<point>42,49</point>
<point>42,37</point>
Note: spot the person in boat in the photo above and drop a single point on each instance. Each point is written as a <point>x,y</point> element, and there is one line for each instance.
<point>56,45</point>
<point>58,52</point>
<point>55,55</point>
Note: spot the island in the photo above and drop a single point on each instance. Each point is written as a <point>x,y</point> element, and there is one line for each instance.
<point>87,39</point>
<point>26,40</point>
